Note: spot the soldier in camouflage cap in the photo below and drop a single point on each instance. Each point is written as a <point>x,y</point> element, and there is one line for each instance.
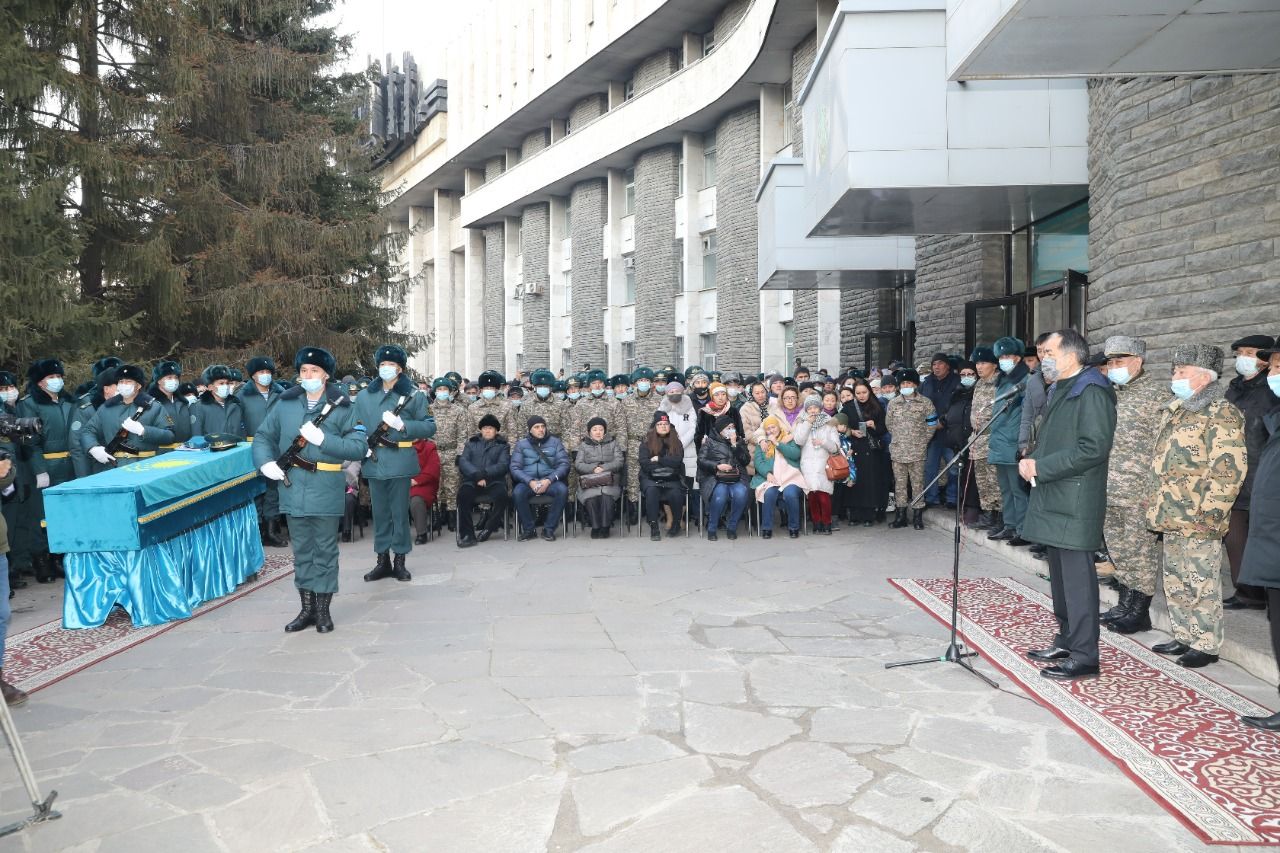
<point>451,417</point>
<point>638,408</point>
<point>544,403</point>
<point>912,420</point>
<point>1199,463</point>
<point>1134,550</point>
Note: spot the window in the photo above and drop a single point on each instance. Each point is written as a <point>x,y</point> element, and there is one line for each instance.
<point>628,279</point>
<point>519,362</point>
<point>788,107</point>
<point>567,289</point>
<point>677,357</point>
<point>708,42</point>
<point>629,89</point>
<point>568,125</point>
<point>708,158</point>
<point>628,357</point>
<point>708,343</point>
<point>709,260</point>
<point>568,218</point>
<point>680,176</point>
<point>679,276</point>
<point>788,346</point>
<point>629,192</point>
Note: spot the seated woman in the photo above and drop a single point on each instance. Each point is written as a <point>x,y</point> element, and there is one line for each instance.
<point>599,464</point>
<point>423,488</point>
<point>661,457</point>
<point>777,462</point>
<point>722,476</point>
<point>817,439</point>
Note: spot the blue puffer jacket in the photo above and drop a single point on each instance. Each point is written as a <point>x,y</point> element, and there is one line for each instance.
<point>527,466</point>
<point>1003,446</point>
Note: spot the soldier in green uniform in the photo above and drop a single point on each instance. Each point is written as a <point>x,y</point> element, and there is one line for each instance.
<point>166,380</point>
<point>984,473</point>
<point>1134,549</point>
<point>638,409</point>
<point>492,403</point>
<point>561,389</point>
<point>389,469</point>
<point>451,418</point>
<point>147,431</point>
<point>621,385</point>
<point>52,453</point>
<point>256,397</point>
<point>219,412</point>
<point>912,420</point>
<point>544,404</point>
<point>315,499</point>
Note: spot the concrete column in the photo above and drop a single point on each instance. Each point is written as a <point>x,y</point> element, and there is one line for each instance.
<point>655,254</point>
<point>445,298</point>
<point>535,225</point>
<point>772,119</point>
<point>828,353</point>
<point>589,274</point>
<point>417,259</point>
<point>495,298</point>
<point>737,299</point>
<point>473,353</point>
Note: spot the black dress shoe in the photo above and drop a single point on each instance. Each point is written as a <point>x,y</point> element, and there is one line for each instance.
<point>1069,670</point>
<point>1173,647</point>
<point>1101,557</point>
<point>526,535</point>
<point>731,535</point>
<point>548,535</point>
<point>1037,548</point>
<point>794,534</point>
<point>1235,602</point>
<point>483,535</point>
<point>766,534</point>
<point>1267,724</point>
<point>467,542</point>
<point>1194,659</point>
<point>711,536</point>
<point>420,539</point>
<point>1039,555</point>
<point>1017,542</point>
<point>1002,535</point>
<point>1051,653</point>
<point>868,524</point>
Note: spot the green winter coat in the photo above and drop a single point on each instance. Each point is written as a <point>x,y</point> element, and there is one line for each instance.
<point>212,418</point>
<point>179,411</point>
<point>764,465</point>
<point>105,423</point>
<point>255,405</point>
<point>391,462</point>
<point>313,493</point>
<point>57,437</point>
<point>1069,500</point>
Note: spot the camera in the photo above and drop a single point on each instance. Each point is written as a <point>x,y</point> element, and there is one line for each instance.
<point>18,429</point>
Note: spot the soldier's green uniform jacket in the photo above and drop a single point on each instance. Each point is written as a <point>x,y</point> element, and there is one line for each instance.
<point>639,413</point>
<point>984,398</point>
<point>105,423</point>
<point>391,462</point>
<point>551,410</point>
<point>1139,404</point>
<point>1199,465</point>
<point>589,407</point>
<point>255,405</point>
<point>501,409</point>
<point>214,418</point>
<point>54,450</point>
<point>178,410</point>
<point>85,407</point>
<point>321,492</point>
<point>912,421</point>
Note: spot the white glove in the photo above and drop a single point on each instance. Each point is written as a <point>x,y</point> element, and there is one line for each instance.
<point>393,420</point>
<point>100,453</point>
<point>312,433</point>
<point>42,481</point>
<point>272,471</point>
<point>132,426</point>
<point>368,453</point>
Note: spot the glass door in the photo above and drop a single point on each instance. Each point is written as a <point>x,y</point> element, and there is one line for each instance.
<point>1060,306</point>
<point>987,320</point>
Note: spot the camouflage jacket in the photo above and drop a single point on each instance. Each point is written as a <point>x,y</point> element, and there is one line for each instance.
<point>595,407</point>
<point>450,421</point>
<point>1139,405</point>
<point>500,409</point>
<point>912,422</point>
<point>639,411</point>
<point>1199,464</point>
<point>553,411</point>
<point>984,398</point>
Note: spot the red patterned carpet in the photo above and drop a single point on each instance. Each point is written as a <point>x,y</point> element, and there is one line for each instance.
<point>1172,730</point>
<point>49,653</point>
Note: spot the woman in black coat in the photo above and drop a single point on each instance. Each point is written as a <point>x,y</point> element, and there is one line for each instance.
<point>958,429</point>
<point>867,498</point>
<point>722,476</point>
<point>1261,565</point>
<point>661,457</point>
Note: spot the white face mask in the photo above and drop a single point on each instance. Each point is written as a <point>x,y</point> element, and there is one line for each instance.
<point>388,373</point>
<point>126,389</point>
<point>311,385</point>
<point>543,392</point>
<point>1247,366</point>
<point>908,391</point>
<point>169,385</point>
<point>222,390</point>
<point>1007,365</point>
<point>190,398</point>
<point>9,396</point>
<point>488,393</point>
<point>643,387</point>
<point>734,392</point>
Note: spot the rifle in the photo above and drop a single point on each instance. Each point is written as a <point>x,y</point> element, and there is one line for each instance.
<point>120,444</point>
<point>293,455</point>
<point>378,438</point>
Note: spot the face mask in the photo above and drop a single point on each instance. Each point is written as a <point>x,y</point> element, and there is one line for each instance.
<point>222,391</point>
<point>729,433</point>
<point>573,395</point>
<point>1119,375</point>
<point>388,373</point>
<point>54,385</point>
<point>1049,369</point>
<point>471,398</point>
<point>517,402</point>
<point>661,388</point>
<point>890,395</point>
<point>489,393</point>
<point>9,396</point>
<point>169,385</point>
<point>560,395</point>
<point>968,381</point>
<point>311,385</point>
<point>1273,382</point>
<point>263,379</point>
<point>1247,366</point>
<point>734,392</point>
<point>907,392</point>
<point>597,392</point>
<point>543,392</point>
<point>675,398</point>
<point>442,394</point>
<point>1181,389</point>
<point>126,389</point>
<point>619,395</point>
<point>643,387</point>
<point>190,398</point>
<point>1006,365</point>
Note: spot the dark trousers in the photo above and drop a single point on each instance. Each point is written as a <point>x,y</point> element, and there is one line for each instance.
<point>1074,580</point>
<point>522,496</point>
<point>470,494</point>
<point>599,511</point>
<point>656,494</point>
<point>1234,541</point>
<point>937,455</point>
<point>1273,611</point>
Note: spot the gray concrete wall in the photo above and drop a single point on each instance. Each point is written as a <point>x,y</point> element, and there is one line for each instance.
<point>589,273</point>
<point>587,110</point>
<point>495,314</point>
<point>654,70</point>
<point>493,167</point>
<point>950,271</point>
<point>1184,230</point>
<point>802,59</point>
<point>804,314</point>
<point>656,184</point>
<point>535,142</point>
<point>861,312</point>
<point>737,300</point>
<point>728,18</point>
<point>535,310</point>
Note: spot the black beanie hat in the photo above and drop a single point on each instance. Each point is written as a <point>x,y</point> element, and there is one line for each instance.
<point>490,421</point>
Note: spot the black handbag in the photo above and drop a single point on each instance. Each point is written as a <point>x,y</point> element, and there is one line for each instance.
<point>596,481</point>
<point>662,472</point>
<point>728,476</point>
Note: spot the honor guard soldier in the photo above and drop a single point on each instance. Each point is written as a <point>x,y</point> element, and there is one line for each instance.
<point>256,397</point>
<point>638,409</point>
<point>314,495</point>
<point>562,390</point>
<point>146,430</point>
<point>492,403</point>
<point>219,412</point>
<point>394,415</point>
<point>52,452</point>
<point>544,404</point>
<point>88,398</point>
<point>166,380</point>
<point>451,420</point>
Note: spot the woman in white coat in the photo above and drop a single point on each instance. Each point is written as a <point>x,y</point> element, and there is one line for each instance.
<point>818,440</point>
<point>684,419</point>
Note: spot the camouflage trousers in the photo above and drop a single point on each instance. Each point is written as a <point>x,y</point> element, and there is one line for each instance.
<point>633,478</point>
<point>1134,549</point>
<point>988,481</point>
<point>912,473</point>
<point>449,483</point>
<point>1193,590</point>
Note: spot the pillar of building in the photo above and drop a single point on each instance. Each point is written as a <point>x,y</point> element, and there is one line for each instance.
<point>737,297</point>
<point>589,274</point>
<point>535,305</point>
<point>655,254</point>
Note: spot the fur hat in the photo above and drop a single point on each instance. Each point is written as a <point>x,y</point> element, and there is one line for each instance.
<point>165,368</point>
<point>131,371</point>
<point>216,372</point>
<point>490,379</point>
<point>595,422</point>
<point>43,367</point>
<point>104,364</point>
<point>1009,346</point>
<point>1123,345</point>
<point>259,363</point>
<point>316,356</point>
<point>906,375</point>
<point>391,352</point>
<point>1199,355</point>
<point>983,354</point>
<point>490,421</point>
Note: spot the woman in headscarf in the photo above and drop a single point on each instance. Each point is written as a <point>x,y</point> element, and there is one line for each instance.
<point>753,413</point>
<point>661,458</point>
<point>722,476</point>
<point>599,461</point>
<point>870,492</point>
<point>787,407</point>
<point>717,404</point>
<point>817,439</point>
<point>778,476</point>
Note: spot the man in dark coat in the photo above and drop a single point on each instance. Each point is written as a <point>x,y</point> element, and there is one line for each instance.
<point>1249,393</point>
<point>1067,471</point>
<point>483,464</point>
<point>939,387</point>
<point>1261,565</point>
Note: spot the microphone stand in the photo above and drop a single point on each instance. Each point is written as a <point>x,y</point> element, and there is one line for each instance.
<point>955,652</point>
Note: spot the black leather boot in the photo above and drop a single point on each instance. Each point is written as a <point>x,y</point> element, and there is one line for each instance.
<point>324,623</point>
<point>899,519</point>
<point>272,535</point>
<point>1120,609</point>
<point>917,519</point>
<point>633,512</point>
<point>1136,618</point>
<point>984,522</point>
<point>16,582</point>
<point>398,570</point>
<point>43,567</point>
<point>654,534</point>
<point>1267,724</point>
<point>382,570</point>
<point>307,615</point>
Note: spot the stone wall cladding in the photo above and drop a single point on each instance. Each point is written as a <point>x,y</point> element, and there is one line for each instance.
<point>535,142</point>
<point>495,315</point>
<point>802,59</point>
<point>656,184</point>
<point>589,273</point>
<point>587,110</point>
<point>1184,233</point>
<point>654,70</point>
<point>863,312</point>
<point>804,320</point>
<point>728,19</point>
<point>536,311</point>
<point>493,167</point>
<point>737,299</point>
<point>951,270</point>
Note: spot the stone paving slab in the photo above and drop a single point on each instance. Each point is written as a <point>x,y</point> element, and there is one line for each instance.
<point>608,695</point>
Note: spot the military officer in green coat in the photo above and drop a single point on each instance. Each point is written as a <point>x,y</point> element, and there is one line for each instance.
<point>316,497</point>
<point>147,431</point>
<point>389,469</point>
<point>166,380</point>
<point>219,412</point>
<point>53,451</point>
<point>257,396</point>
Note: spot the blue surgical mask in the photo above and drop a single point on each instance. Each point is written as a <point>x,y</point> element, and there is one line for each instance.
<point>223,391</point>
<point>560,395</point>
<point>968,381</point>
<point>543,392</point>
<point>597,392</point>
<point>1247,366</point>
<point>488,393</point>
<point>471,398</point>
<point>169,385</point>
<point>311,385</point>
<point>1181,389</point>
<point>608,391</point>
<point>54,384</point>
<point>908,391</point>
<point>9,396</point>
<point>661,388</point>
<point>388,372</point>
<point>644,386</point>
<point>263,379</point>
<point>1119,375</point>
<point>619,395</point>
<point>126,389</point>
<point>1007,365</point>
<point>1273,382</point>
<point>573,395</point>
<point>442,394</point>
<point>733,392</point>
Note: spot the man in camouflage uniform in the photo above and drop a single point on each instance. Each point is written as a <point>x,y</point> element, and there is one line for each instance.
<point>450,417</point>
<point>491,402</point>
<point>638,408</point>
<point>544,404</point>
<point>1200,464</point>
<point>912,420</point>
<point>984,473</point>
<point>1135,550</point>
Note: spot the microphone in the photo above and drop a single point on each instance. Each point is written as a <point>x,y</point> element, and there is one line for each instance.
<point>1010,392</point>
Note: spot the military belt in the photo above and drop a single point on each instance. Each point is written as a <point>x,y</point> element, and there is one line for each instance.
<point>328,466</point>
<point>62,455</point>
<point>141,454</point>
<point>173,446</point>
<point>404,444</point>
